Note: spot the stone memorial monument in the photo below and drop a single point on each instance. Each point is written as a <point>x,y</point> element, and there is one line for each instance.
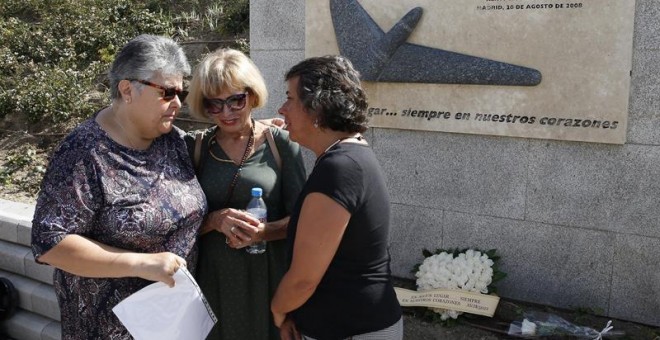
<point>552,70</point>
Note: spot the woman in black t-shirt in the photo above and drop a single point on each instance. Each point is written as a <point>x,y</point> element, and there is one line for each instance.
<point>338,284</point>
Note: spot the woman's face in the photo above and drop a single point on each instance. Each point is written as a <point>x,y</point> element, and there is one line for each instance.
<point>298,122</point>
<point>154,115</point>
<point>231,109</point>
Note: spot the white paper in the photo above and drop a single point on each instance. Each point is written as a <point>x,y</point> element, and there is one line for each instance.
<point>160,312</point>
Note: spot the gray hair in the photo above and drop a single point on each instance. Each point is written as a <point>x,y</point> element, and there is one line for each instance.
<point>145,56</point>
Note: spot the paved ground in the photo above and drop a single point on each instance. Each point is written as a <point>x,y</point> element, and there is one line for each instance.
<point>417,329</point>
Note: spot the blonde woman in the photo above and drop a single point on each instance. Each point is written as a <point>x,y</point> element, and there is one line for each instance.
<point>235,156</point>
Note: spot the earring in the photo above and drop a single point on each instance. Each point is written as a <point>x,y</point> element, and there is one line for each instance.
<point>316,124</point>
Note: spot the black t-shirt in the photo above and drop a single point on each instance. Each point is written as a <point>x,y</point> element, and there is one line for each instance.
<point>355,295</point>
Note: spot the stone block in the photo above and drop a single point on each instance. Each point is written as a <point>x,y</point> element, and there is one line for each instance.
<point>647,25</point>
<point>11,257</point>
<point>553,265</point>
<point>595,186</point>
<point>24,287</point>
<point>636,280</point>
<point>24,234</point>
<point>467,173</point>
<point>44,301</point>
<point>277,25</point>
<point>52,331</point>
<point>411,230</point>
<point>644,117</point>
<point>26,326</point>
<point>273,66</point>
<point>8,230</point>
<point>19,212</point>
<point>36,271</point>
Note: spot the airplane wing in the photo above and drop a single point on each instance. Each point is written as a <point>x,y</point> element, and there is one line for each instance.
<point>420,64</point>
<point>386,57</point>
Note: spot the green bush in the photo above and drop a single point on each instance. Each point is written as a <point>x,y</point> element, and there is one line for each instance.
<point>55,51</point>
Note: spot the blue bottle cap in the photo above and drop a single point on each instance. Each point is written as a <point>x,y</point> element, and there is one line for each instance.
<point>257,192</point>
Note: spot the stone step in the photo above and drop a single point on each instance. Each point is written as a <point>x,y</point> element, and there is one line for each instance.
<point>34,296</point>
<point>18,259</point>
<point>25,325</point>
<point>38,314</point>
<point>16,222</point>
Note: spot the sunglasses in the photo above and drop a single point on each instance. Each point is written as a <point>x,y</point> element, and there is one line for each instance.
<point>234,103</point>
<point>168,92</point>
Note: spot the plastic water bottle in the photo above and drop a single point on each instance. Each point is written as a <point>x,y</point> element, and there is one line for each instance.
<point>257,208</point>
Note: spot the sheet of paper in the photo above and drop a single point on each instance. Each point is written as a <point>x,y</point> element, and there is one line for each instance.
<point>160,312</point>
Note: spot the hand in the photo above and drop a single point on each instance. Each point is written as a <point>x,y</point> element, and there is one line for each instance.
<point>278,319</point>
<point>239,227</point>
<point>288,330</point>
<point>158,267</point>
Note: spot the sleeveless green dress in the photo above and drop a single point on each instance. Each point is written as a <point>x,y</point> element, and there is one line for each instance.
<point>239,286</point>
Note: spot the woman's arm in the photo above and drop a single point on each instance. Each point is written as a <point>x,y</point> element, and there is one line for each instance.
<point>320,229</point>
<point>81,256</point>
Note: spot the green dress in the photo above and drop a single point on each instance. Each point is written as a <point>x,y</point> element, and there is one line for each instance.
<point>239,286</point>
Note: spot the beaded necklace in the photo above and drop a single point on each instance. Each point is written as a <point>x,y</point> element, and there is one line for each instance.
<point>246,154</point>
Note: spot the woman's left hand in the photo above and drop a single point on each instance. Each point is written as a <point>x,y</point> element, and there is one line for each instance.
<point>278,319</point>
<point>246,234</point>
<point>288,330</point>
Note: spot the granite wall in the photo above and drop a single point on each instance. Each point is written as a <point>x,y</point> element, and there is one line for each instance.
<point>576,223</point>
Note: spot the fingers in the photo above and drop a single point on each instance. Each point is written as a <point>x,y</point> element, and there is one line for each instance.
<point>159,267</point>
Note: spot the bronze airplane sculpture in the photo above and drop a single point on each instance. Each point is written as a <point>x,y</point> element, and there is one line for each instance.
<point>387,57</point>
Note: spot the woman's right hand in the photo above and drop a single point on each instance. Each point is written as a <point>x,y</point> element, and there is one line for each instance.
<point>237,225</point>
<point>158,267</point>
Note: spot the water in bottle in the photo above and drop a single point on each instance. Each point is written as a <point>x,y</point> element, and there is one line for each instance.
<point>257,208</point>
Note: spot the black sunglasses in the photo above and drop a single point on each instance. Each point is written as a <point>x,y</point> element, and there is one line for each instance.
<point>216,106</point>
<point>168,92</point>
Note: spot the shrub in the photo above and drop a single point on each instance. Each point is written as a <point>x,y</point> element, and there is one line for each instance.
<point>56,50</point>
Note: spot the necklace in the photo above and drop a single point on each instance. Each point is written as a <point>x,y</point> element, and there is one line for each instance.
<point>246,154</point>
<point>358,137</point>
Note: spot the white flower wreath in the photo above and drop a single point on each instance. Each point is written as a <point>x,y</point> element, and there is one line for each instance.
<point>469,270</point>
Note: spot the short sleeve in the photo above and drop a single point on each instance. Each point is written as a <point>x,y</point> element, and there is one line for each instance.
<point>69,199</point>
<point>339,177</point>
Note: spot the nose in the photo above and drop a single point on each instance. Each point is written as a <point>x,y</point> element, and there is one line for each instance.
<point>176,102</point>
<point>281,110</point>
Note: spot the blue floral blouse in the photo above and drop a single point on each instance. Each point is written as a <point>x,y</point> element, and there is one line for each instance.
<point>140,200</point>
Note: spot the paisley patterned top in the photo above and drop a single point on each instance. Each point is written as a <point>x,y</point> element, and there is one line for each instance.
<point>140,200</point>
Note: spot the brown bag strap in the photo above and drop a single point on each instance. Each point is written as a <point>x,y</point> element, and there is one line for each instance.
<point>198,150</point>
<point>273,148</point>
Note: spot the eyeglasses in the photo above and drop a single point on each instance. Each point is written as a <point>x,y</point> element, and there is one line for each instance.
<point>168,92</point>
<point>234,103</point>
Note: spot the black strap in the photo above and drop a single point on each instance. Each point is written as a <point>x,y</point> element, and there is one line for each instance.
<point>8,299</point>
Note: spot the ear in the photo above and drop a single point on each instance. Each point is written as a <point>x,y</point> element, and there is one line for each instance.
<point>251,97</point>
<point>125,90</point>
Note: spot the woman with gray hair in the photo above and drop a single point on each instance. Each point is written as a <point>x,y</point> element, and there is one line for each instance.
<point>119,206</point>
<point>338,284</point>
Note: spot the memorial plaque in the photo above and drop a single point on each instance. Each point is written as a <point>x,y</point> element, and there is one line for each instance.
<point>521,68</point>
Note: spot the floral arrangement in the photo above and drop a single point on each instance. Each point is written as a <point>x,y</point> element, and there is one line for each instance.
<point>468,269</point>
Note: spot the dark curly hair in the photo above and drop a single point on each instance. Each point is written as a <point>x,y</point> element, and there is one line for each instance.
<point>330,88</point>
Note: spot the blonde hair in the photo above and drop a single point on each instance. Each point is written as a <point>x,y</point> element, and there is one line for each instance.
<point>221,69</point>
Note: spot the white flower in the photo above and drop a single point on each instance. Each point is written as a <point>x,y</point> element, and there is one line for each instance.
<point>471,271</point>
